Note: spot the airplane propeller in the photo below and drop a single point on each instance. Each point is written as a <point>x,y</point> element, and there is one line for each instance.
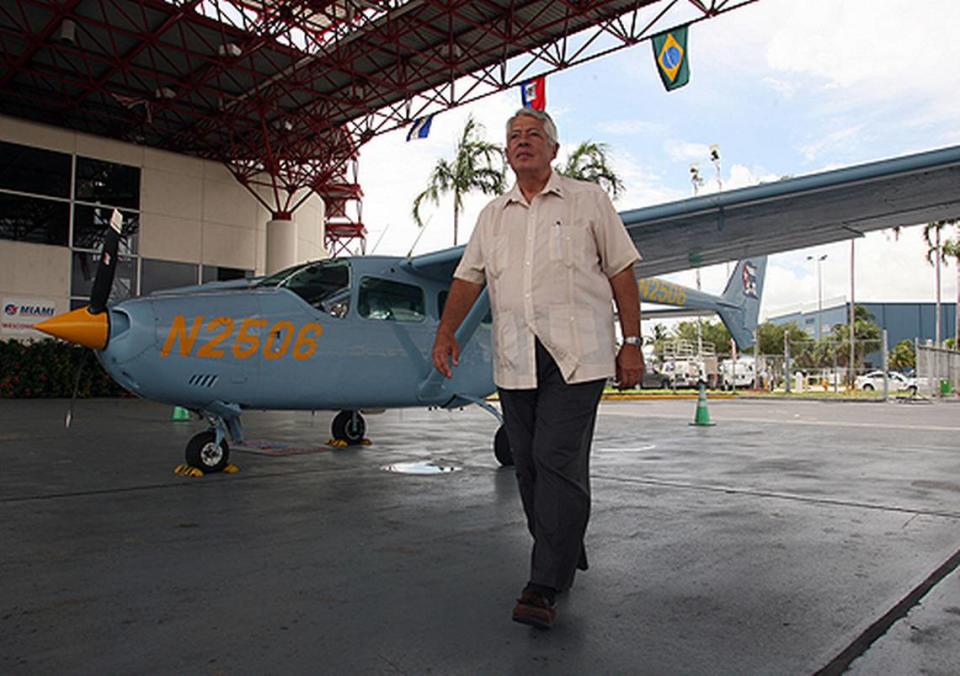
<point>90,326</point>
<point>107,269</point>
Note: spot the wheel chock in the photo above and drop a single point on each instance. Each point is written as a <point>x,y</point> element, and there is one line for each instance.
<point>231,469</point>
<point>366,442</point>
<point>188,471</point>
<point>337,443</point>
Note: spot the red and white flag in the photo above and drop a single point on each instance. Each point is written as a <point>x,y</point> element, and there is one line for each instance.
<point>534,93</point>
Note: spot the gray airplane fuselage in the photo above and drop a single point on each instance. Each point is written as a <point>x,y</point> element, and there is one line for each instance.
<point>266,347</point>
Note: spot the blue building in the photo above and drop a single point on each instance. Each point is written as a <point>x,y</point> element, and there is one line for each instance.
<point>903,321</point>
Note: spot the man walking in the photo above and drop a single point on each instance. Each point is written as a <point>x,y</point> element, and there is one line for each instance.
<point>554,253</point>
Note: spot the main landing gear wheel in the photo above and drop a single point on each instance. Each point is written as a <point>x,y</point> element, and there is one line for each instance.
<point>501,448</point>
<point>349,426</point>
<point>205,454</point>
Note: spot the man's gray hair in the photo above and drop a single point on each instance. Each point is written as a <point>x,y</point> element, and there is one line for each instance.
<point>548,126</point>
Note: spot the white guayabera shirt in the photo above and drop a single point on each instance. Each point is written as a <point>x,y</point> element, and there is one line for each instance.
<point>547,265</point>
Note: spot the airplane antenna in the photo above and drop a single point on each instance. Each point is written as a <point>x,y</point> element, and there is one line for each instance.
<point>380,239</point>
<point>417,240</point>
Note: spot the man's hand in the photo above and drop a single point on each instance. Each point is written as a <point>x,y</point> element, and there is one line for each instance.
<point>629,366</point>
<point>445,350</point>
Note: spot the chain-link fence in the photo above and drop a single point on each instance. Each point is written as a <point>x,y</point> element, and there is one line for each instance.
<point>806,366</point>
<point>938,371</point>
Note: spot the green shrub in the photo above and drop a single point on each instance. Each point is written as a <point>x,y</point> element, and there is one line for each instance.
<point>48,368</point>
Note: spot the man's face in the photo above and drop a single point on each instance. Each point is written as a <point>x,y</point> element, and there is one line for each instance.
<point>528,148</point>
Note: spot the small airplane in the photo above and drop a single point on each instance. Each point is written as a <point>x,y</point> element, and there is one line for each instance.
<point>355,334</point>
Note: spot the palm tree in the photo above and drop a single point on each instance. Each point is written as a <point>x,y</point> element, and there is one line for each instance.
<point>951,249</point>
<point>477,165</point>
<point>937,253</point>
<point>589,163</point>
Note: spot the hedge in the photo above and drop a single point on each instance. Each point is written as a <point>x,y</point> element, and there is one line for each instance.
<point>48,368</point>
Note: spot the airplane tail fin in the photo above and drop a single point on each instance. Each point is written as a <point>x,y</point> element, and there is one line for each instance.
<point>741,308</point>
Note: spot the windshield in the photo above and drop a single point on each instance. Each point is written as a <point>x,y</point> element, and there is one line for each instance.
<point>277,277</point>
<point>324,285</point>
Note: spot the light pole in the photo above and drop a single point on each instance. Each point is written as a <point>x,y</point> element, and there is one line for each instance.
<point>853,315</point>
<point>819,259</point>
<point>697,181</point>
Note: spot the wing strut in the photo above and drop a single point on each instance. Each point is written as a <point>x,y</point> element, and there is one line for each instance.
<point>430,389</point>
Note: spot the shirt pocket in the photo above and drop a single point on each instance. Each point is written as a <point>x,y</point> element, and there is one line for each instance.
<point>506,341</point>
<point>568,244</point>
<point>500,258</point>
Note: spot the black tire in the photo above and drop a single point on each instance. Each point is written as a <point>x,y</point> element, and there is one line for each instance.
<point>912,390</point>
<point>344,428</point>
<point>868,387</point>
<point>202,452</point>
<point>501,448</point>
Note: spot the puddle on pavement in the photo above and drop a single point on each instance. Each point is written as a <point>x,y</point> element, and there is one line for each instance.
<point>631,449</point>
<point>422,467</point>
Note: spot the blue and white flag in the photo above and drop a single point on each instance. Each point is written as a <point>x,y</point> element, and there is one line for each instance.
<point>420,128</point>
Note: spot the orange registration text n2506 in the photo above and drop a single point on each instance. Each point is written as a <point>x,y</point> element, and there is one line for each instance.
<point>240,338</point>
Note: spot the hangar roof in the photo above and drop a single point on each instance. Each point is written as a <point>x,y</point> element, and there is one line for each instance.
<point>226,77</point>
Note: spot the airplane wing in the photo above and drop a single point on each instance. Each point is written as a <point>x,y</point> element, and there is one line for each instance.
<point>781,216</point>
<point>797,212</point>
<point>438,265</point>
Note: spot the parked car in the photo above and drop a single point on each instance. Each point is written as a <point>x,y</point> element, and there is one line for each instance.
<point>897,382</point>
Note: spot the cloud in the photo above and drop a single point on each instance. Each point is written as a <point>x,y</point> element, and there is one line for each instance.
<point>630,127</point>
<point>685,151</point>
<point>838,137</point>
<point>785,88</point>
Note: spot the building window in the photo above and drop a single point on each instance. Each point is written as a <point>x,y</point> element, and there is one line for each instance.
<point>99,188</point>
<point>214,273</point>
<point>100,182</point>
<point>84,269</point>
<point>32,219</point>
<point>90,225</point>
<point>34,170</point>
<point>158,275</point>
<point>391,301</point>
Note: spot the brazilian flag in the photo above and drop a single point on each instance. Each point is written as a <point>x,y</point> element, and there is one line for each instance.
<point>670,53</point>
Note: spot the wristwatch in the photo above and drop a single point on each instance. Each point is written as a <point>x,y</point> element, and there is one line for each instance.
<point>633,340</point>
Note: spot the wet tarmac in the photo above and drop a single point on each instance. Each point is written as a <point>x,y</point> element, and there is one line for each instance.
<point>791,537</point>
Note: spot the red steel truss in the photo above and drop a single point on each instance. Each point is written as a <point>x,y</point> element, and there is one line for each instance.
<point>285,92</point>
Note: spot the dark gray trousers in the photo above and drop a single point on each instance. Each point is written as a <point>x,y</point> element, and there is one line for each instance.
<point>550,429</point>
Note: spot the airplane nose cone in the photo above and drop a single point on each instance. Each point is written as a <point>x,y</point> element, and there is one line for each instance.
<point>79,327</point>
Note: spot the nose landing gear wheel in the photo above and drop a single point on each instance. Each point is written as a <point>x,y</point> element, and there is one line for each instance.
<point>501,448</point>
<point>349,426</point>
<point>205,454</point>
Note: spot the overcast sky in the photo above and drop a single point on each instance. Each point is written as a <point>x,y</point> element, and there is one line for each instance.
<point>783,87</point>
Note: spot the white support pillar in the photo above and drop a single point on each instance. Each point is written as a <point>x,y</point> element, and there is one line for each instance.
<point>281,244</point>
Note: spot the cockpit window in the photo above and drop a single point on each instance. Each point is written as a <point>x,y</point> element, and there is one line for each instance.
<point>324,285</point>
<point>392,301</point>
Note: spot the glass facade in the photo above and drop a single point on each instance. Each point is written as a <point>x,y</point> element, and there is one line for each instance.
<point>61,199</point>
<point>157,275</point>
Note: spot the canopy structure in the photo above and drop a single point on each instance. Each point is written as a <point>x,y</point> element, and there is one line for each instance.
<point>285,92</point>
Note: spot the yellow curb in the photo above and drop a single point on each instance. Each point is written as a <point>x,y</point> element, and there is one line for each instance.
<point>659,397</point>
